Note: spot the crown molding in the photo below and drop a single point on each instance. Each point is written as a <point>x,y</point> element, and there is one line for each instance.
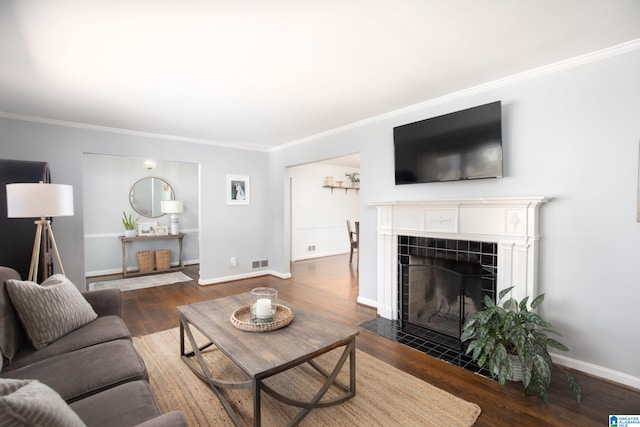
<point>78,125</point>
<point>503,82</point>
<point>516,78</point>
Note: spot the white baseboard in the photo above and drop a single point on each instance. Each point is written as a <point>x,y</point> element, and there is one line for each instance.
<point>280,275</point>
<point>368,302</point>
<point>319,255</point>
<point>596,370</point>
<point>206,282</point>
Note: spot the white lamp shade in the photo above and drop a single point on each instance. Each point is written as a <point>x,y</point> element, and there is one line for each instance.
<point>39,200</point>
<point>171,206</point>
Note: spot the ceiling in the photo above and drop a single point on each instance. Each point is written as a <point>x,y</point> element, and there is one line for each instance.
<point>260,73</point>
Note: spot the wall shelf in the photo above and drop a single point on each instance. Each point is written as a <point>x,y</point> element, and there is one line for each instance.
<point>346,189</point>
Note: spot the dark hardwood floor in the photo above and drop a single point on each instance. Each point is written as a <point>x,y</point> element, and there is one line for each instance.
<point>329,286</point>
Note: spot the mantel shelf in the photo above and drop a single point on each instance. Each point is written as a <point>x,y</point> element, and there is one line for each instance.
<point>346,189</point>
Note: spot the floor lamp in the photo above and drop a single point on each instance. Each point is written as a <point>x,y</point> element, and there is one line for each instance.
<point>40,201</point>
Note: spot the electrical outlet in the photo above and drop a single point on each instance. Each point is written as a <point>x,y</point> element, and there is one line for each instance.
<point>234,262</point>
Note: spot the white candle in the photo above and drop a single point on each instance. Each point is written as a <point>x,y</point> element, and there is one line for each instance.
<point>263,308</point>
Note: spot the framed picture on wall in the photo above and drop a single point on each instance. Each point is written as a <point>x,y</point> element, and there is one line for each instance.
<point>238,190</point>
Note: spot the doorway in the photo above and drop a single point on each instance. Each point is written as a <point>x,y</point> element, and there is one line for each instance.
<point>318,211</point>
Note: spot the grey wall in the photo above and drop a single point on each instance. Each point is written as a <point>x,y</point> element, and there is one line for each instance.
<point>571,135</point>
<point>225,231</point>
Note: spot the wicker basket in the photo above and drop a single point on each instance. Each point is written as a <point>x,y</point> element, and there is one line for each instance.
<point>163,259</point>
<point>145,261</point>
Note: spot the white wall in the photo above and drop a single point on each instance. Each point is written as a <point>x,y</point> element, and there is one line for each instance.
<point>107,181</point>
<point>318,214</point>
<point>571,134</point>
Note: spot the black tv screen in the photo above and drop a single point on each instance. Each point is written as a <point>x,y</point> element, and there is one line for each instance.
<point>466,144</point>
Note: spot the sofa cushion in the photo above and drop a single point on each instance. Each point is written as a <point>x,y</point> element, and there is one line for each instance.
<point>31,403</point>
<point>173,419</point>
<point>105,302</point>
<point>124,405</point>
<point>50,310</point>
<point>11,332</point>
<point>87,371</point>
<point>103,329</point>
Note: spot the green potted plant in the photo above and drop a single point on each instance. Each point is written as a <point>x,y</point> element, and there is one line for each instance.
<point>129,225</point>
<point>501,336</point>
<point>354,177</point>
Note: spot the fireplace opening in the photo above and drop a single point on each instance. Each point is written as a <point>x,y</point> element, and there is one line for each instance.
<point>442,283</point>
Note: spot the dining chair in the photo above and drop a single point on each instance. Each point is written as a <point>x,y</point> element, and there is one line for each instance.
<point>353,241</point>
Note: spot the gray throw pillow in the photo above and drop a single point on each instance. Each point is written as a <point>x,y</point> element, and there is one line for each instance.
<point>31,403</point>
<point>51,310</point>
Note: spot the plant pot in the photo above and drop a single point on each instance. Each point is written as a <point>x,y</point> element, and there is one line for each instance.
<point>129,233</point>
<point>517,369</point>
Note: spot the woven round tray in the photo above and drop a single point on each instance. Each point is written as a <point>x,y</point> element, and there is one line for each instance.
<point>241,319</point>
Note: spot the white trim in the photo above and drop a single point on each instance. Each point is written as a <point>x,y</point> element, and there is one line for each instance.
<point>526,75</point>
<point>206,282</point>
<point>366,301</point>
<point>597,370</point>
<point>506,81</point>
<point>43,120</point>
<point>320,255</point>
<point>119,234</point>
<point>280,275</point>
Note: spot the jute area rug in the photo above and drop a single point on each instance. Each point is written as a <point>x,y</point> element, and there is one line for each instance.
<point>385,395</point>
<point>142,281</point>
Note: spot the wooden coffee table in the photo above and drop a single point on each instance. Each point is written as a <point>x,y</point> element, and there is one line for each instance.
<point>261,355</point>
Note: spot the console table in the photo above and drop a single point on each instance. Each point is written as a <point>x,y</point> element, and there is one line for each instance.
<point>124,241</point>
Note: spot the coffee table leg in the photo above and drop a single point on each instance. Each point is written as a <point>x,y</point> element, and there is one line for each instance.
<point>350,390</point>
<point>257,415</point>
<point>205,375</point>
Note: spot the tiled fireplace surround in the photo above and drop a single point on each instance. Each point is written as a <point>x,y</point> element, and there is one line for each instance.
<point>511,223</point>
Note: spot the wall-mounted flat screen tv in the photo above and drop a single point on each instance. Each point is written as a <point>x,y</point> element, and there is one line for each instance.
<point>462,145</point>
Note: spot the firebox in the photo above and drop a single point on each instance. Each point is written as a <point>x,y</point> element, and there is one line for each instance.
<point>442,282</point>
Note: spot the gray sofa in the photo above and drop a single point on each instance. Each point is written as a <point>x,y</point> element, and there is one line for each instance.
<point>95,369</point>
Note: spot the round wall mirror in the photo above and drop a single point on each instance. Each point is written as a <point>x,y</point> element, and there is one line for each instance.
<point>146,195</point>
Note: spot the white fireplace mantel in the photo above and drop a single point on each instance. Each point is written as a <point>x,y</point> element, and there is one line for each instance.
<point>512,223</point>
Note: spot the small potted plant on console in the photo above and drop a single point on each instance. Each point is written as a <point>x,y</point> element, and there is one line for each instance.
<point>512,341</point>
<point>129,225</point>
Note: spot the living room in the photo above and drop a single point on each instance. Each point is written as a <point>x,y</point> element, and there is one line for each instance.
<point>570,134</point>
